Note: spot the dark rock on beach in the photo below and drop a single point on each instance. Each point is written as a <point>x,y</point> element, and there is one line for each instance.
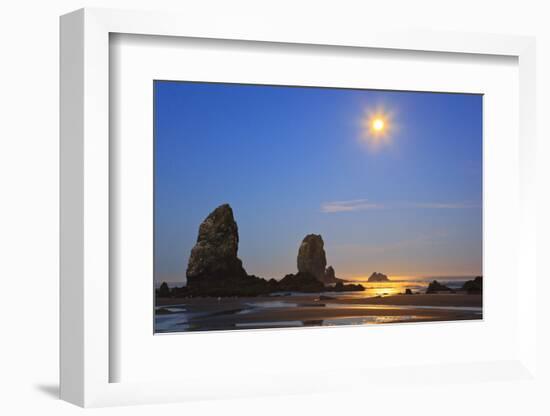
<point>181,292</point>
<point>436,287</point>
<point>378,277</point>
<point>301,282</point>
<point>163,291</point>
<point>341,287</point>
<point>408,292</point>
<point>474,286</point>
<point>351,287</point>
<point>305,282</point>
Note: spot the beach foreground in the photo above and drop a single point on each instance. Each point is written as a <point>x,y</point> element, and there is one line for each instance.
<point>300,310</point>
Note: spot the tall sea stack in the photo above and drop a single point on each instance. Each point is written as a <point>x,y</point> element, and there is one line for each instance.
<point>311,256</point>
<point>214,269</point>
<point>213,261</point>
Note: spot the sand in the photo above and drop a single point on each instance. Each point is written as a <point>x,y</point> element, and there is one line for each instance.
<point>402,300</point>
<point>423,300</point>
<point>310,310</point>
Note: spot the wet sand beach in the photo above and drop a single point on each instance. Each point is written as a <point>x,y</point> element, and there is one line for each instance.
<point>191,314</point>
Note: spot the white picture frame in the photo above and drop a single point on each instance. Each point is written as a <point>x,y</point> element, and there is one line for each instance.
<point>86,164</point>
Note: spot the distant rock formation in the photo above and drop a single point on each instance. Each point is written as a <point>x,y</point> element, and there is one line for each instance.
<point>163,291</point>
<point>378,277</point>
<point>408,291</point>
<point>436,287</point>
<point>474,286</point>
<point>311,256</point>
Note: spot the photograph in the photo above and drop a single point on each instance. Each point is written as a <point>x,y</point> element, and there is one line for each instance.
<point>281,206</point>
<point>266,207</point>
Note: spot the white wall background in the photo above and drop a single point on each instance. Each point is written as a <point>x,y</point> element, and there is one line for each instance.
<point>29,204</point>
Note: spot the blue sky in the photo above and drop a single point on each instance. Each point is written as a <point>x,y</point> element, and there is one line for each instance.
<point>293,161</point>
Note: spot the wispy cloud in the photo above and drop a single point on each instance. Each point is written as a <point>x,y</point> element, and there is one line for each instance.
<point>365,204</point>
<point>439,205</point>
<point>347,206</point>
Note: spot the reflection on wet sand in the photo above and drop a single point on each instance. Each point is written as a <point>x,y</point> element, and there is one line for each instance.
<point>303,310</point>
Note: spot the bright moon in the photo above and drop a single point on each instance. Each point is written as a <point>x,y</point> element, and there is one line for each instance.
<point>378,128</point>
<point>378,124</point>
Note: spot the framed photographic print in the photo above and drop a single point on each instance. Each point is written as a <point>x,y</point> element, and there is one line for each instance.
<point>326,184</point>
<point>311,202</point>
